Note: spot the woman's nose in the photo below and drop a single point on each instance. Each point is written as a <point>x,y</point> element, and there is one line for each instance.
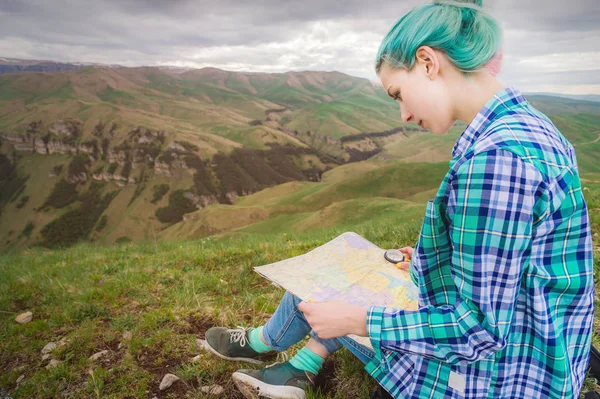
<point>406,116</point>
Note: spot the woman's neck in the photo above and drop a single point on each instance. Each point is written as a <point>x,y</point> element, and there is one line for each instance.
<point>472,93</point>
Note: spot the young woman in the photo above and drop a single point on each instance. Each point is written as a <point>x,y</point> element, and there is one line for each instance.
<point>503,263</point>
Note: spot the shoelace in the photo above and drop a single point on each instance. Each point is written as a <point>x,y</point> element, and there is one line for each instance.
<point>282,357</point>
<point>239,334</point>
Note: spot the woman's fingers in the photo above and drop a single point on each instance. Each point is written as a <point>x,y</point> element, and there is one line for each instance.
<point>408,251</point>
<point>303,306</point>
<point>403,265</point>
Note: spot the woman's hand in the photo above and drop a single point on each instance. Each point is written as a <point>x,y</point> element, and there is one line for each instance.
<point>333,319</point>
<point>408,253</point>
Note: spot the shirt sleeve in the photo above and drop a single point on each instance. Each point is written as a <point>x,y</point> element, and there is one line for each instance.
<point>490,212</point>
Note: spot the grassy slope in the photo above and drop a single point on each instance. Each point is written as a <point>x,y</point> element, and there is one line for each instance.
<point>398,172</point>
<point>38,186</point>
<point>348,194</point>
<point>166,294</point>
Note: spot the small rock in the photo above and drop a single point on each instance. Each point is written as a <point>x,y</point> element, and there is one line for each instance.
<point>196,358</point>
<point>98,355</point>
<point>212,389</point>
<point>46,356</point>
<point>127,336</point>
<point>64,341</point>
<point>167,381</point>
<point>53,363</point>
<point>20,379</point>
<point>24,318</point>
<point>50,346</point>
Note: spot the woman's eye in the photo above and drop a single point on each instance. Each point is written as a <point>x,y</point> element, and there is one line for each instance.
<point>397,96</point>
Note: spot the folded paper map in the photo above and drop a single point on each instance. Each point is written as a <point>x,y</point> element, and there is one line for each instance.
<point>348,268</point>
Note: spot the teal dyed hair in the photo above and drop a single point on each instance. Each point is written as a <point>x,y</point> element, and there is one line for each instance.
<point>461,29</point>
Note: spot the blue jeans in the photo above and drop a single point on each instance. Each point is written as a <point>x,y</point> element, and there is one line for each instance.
<point>288,326</point>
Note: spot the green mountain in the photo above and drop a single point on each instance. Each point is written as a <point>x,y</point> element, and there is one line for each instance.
<point>113,154</point>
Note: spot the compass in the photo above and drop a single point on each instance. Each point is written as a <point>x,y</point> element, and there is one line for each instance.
<point>394,256</point>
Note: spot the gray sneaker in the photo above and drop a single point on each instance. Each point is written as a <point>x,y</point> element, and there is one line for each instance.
<point>277,381</point>
<point>234,344</point>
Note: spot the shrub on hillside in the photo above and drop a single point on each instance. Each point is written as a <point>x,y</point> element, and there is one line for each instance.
<point>178,206</point>
<point>203,184</point>
<point>77,224</point>
<point>279,160</point>
<point>233,178</point>
<point>150,149</point>
<point>139,187</point>
<point>124,146</point>
<point>27,230</point>
<point>63,194</point>
<point>262,172</point>
<point>113,129</point>
<point>193,162</point>
<point>126,169</point>
<point>17,193</point>
<point>357,155</point>
<point>112,168</point>
<point>101,223</point>
<point>22,201</point>
<point>159,191</point>
<point>167,157</point>
<point>57,169</point>
<point>78,165</point>
<point>12,184</point>
<point>98,129</point>
<point>203,181</point>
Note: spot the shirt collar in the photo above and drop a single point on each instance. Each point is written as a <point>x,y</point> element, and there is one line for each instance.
<point>503,100</point>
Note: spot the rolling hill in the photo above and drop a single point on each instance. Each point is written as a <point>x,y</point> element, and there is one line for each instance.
<point>112,154</point>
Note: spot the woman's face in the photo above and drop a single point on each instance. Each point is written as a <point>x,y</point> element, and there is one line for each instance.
<point>422,96</point>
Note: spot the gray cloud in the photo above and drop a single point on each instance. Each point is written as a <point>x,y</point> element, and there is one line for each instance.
<point>276,36</point>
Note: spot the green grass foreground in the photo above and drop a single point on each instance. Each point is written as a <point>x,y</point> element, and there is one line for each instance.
<point>147,303</point>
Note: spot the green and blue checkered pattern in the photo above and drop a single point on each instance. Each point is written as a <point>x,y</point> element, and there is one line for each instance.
<point>503,265</point>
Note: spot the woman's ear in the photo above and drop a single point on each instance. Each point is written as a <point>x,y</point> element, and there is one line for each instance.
<point>427,59</point>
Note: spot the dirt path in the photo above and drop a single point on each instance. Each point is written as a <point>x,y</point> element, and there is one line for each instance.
<point>591,142</point>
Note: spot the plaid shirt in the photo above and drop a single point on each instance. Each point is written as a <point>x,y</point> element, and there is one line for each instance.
<point>503,266</point>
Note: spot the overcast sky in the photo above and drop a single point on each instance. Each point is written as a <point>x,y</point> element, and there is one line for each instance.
<point>549,45</point>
